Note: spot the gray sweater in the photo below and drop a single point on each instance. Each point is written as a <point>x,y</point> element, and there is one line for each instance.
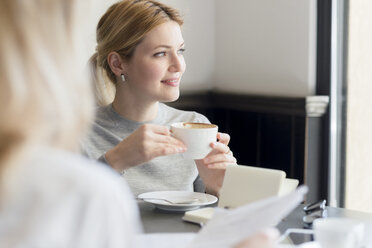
<point>162,173</point>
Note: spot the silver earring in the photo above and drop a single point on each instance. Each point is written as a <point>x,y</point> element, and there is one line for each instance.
<point>122,77</point>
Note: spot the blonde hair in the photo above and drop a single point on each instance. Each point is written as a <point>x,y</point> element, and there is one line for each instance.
<point>121,29</point>
<point>45,97</point>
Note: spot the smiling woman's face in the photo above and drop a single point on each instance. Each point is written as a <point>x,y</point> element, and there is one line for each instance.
<point>154,71</point>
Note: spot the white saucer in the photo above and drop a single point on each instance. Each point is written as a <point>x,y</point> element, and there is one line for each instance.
<point>201,199</point>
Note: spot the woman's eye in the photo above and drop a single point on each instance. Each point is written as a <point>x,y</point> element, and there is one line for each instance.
<point>159,54</point>
<point>181,51</point>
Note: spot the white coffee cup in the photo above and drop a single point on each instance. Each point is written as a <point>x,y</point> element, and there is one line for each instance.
<point>338,232</point>
<point>196,136</point>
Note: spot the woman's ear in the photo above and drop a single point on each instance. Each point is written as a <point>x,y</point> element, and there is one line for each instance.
<point>116,63</point>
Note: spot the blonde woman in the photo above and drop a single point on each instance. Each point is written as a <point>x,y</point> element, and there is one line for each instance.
<point>50,197</point>
<point>138,66</point>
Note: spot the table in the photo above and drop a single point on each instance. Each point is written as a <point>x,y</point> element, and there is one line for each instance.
<point>158,221</point>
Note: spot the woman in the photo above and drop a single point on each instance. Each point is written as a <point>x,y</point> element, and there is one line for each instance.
<point>138,65</point>
<point>50,197</point>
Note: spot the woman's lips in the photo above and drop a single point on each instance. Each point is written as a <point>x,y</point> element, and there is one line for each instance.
<point>171,82</point>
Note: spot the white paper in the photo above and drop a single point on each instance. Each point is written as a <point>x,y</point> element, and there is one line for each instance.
<point>165,240</point>
<point>229,227</point>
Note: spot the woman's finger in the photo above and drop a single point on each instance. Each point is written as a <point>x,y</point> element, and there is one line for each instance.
<point>219,158</point>
<point>220,147</point>
<point>165,139</point>
<point>156,129</point>
<point>159,134</point>
<point>223,138</point>
<point>219,165</point>
<point>164,150</point>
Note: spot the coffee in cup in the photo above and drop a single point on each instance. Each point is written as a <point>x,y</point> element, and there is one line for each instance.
<point>196,136</point>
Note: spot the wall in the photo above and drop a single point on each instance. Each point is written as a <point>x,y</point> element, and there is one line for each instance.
<point>266,47</point>
<point>97,8</point>
<point>359,113</point>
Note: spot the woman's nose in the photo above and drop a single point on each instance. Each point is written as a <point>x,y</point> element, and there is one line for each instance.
<point>177,63</point>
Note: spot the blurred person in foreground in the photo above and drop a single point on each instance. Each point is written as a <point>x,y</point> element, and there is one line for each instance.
<point>49,196</point>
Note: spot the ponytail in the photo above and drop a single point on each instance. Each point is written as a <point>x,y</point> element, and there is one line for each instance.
<point>104,88</point>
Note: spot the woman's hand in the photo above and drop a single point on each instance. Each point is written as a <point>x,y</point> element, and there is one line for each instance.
<point>212,167</point>
<point>145,143</point>
<point>263,239</point>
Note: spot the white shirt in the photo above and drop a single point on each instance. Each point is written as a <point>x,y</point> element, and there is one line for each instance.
<point>58,199</point>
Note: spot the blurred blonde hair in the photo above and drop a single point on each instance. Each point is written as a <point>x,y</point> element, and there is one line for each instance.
<point>121,29</point>
<point>45,96</point>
